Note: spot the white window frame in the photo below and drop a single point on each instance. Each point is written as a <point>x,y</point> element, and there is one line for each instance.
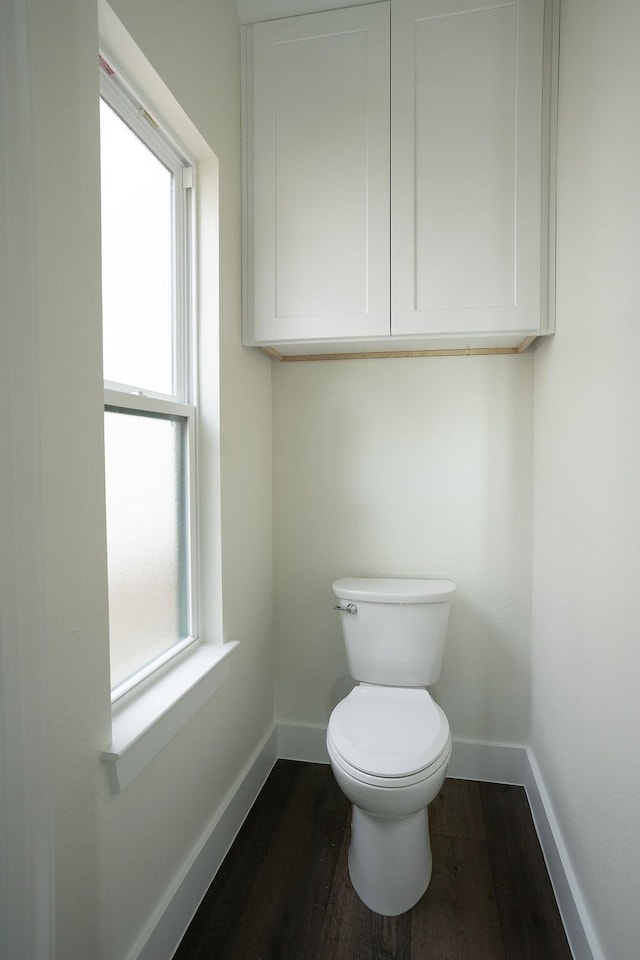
<point>129,398</point>
<point>146,719</point>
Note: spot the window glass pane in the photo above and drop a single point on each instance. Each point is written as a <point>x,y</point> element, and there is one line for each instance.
<point>146,534</point>
<point>137,263</point>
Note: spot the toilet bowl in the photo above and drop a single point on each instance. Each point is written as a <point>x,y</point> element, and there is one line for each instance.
<point>389,742</point>
<point>389,749</point>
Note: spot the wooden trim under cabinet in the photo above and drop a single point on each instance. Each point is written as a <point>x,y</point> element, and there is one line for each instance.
<point>392,354</point>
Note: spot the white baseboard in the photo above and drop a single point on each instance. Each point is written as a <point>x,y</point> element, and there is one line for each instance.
<point>496,763</point>
<point>470,760</point>
<point>573,910</point>
<point>490,762</point>
<point>302,741</point>
<point>173,915</point>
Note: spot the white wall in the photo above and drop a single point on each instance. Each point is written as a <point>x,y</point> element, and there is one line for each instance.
<point>585,718</point>
<point>116,855</point>
<point>406,465</point>
<point>26,861</point>
<point>403,465</point>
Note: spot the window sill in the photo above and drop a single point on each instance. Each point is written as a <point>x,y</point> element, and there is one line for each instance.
<point>147,718</point>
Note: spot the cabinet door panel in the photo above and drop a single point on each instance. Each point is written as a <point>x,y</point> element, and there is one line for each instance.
<point>321,175</point>
<point>466,133</point>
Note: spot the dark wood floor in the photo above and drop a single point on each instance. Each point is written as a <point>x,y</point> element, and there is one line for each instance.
<point>283,892</point>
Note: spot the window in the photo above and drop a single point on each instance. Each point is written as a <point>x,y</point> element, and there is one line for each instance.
<point>147,188</point>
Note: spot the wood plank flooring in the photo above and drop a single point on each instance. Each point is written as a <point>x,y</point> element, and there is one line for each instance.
<point>283,892</point>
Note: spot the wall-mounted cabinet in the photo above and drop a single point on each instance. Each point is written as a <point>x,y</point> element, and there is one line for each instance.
<point>398,161</point>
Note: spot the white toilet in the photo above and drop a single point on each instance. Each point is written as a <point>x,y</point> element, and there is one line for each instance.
<point>388,741</point>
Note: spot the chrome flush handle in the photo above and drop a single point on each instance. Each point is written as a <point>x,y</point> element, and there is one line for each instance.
<point>348,608</point>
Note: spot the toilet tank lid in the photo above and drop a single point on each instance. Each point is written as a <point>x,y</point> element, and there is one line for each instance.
<point>393,589</point>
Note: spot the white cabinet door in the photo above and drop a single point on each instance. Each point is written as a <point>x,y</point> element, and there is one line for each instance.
<point>467,166</point>
<point>319,179</point>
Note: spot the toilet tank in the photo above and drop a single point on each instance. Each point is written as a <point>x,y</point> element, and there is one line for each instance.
<point>394,629</point>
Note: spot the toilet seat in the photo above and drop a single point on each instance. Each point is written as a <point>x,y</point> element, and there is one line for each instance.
<point>388,783</point>
<point>389,736</point>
